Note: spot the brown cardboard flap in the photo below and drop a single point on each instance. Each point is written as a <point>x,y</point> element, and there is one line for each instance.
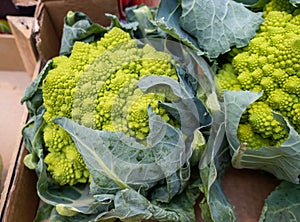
<point>50,19</point>
<point>22,201</point>
<point>47,41</point>
<point>13,117</point>
<point>19,199</point>
<point>22,30</point>
<point>10,59</point>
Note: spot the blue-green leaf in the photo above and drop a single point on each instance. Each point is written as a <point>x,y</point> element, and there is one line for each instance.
<point>215,205</point>
<point>122,158</point>
<point>283,204</point>
<point>33,95</point>
<point>167,19</point>
<point>217,25</point>
<point>78,26</point>
<point>74,198</point>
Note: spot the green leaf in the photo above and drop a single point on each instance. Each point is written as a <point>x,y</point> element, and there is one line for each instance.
<point>131,206</point>
<point>33,95</point>
<point>167,19</point>
<point>219,25</point>
<point>254,4</point>
<point>282,161</point>
<point>75,198</point>
<point>215,205</point>
<point>247,2</point>
<point>78,26</point>
<point>295,2</point>
<point>43,213</point>
<point>143,16</point>
<point>115,22</point>
<point>30,161</point>
<point>283,204</point>
<point>188,110</point>
<point>174,185</point>
<point>235,104</point>
<point>32,134</point>
<point>56,217</point>
<point>198,145</point>
<point>124,160</point>
<point>183,204</point>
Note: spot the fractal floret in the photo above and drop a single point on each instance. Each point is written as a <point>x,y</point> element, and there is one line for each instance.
<point>268,64</point>
<point>96,86</point>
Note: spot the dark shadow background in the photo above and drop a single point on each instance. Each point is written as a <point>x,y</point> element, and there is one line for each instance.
<point>8,8</point>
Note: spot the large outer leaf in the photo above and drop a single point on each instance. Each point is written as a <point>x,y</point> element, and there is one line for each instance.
<point>131,206</point>
<point>282,161</point>
<point>215,206</point>
<point>33,95</point>
<point>283,204</point>
<point>188,109</point>
<point>144,16</point>
<point>124,160</point>
<point>75,198</point>
<point>32,134</point>
<point>78,26</point>
<point>167,19</point>
<point>218,25</point>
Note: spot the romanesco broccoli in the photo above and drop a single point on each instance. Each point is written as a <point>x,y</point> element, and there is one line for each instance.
<point>96,86</point>
<point>269,63</point>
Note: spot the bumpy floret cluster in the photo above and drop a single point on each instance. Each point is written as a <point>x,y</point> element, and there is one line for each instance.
<point>97,87</point>
<point>279,5</point>
<point>270,63</point>
<point>64,161</point>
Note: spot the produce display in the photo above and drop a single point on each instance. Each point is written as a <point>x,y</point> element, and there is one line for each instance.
<point>138,120</point>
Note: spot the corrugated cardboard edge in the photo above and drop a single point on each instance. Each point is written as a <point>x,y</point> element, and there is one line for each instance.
<point>19,197</point>
<point>47,41</point>
<point>22,30</point>
<point>50,15</point>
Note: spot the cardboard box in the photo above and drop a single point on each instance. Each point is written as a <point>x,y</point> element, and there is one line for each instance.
<point>50,19</point>
<point>20,63</point>
<point>246,189</point>
<point>17,68</point>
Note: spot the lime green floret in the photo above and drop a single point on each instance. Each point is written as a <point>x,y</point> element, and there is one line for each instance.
<point>96,86</point>
<point>262,121</point>
<point>269,64</point>
<point>64,161</point>
<point>251,139</point>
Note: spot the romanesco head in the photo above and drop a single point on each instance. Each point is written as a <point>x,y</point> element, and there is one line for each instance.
<point>97,86</point>
<point>270,64</point>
